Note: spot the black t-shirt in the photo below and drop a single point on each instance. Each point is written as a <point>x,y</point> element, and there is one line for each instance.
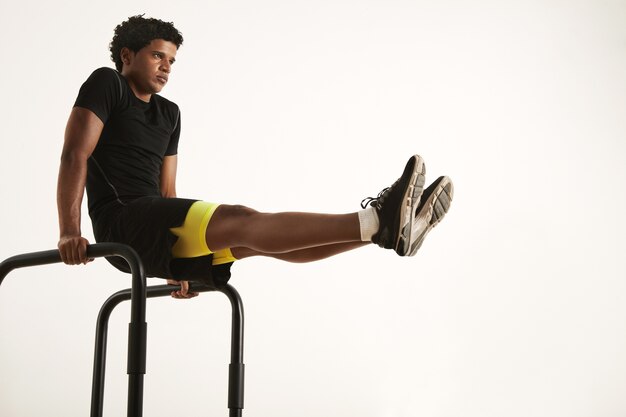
<point>126,163</point>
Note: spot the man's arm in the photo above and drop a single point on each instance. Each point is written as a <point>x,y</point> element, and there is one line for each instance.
<point>168,176</point>
<point>168,190</point>
<point>81,137</point>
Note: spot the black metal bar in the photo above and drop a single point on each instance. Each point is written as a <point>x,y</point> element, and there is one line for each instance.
<point>137,333</point>
<point>99,363</point>
<point>236,369</point>
<point>28,259</point>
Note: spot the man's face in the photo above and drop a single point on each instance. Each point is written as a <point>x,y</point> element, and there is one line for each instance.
<point>149,68</point>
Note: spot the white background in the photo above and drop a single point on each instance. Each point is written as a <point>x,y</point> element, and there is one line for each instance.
<point>515,305</point>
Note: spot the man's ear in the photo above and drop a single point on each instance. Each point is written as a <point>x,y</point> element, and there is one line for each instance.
<point>127,55</point>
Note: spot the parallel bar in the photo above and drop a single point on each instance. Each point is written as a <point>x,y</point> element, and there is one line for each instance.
<point>102,323</point>
<point>237,367</point>
<point>137,335</point>
<point>236,374</point>
<point>138,327</point>
<point>99,363</point>
<point>28,259</point>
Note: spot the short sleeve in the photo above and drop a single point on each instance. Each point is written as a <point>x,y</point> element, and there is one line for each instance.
<point>172,148</point>
<point>100,93</point>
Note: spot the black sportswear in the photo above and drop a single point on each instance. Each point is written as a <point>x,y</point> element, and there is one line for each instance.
<point>126,163</point>
<point>123,178</point>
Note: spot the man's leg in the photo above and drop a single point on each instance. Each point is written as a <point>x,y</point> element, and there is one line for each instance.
<point>238,226</point>
<point>302,255</point>
<point>400,220</point>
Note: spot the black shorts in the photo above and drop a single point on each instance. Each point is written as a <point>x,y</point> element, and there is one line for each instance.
<point>144,224</point>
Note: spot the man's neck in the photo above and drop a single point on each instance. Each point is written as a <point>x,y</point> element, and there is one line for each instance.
<point>133,86</point>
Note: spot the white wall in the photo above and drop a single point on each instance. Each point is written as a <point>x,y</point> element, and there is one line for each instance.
<point>515,306</point>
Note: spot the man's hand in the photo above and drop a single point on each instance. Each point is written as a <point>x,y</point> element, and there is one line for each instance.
<point>73,250</point>
<point>184,289</point>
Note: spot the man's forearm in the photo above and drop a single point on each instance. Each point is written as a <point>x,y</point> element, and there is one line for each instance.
<point>82,133</point>
<point>70,190</point>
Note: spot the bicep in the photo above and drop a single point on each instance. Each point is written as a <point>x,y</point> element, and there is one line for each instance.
<point>82,133</point>
<point>168,176</point>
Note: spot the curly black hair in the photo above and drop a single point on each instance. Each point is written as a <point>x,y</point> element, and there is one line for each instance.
<point>137,32</point>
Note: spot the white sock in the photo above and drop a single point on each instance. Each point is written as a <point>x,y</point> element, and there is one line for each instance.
<point>368,220</point>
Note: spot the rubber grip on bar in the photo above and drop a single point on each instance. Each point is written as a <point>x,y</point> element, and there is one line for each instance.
<point>235,385</point>
<point>137,348</point>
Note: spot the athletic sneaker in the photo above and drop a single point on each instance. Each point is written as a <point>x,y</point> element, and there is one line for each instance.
<point>435,203</point>
<point>396,206</point>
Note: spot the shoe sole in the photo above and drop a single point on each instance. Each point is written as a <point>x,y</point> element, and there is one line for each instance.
<point>431,213</point>
<point>410,202</point>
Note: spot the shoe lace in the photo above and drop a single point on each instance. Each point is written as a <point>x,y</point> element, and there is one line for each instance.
<point>378,200</point>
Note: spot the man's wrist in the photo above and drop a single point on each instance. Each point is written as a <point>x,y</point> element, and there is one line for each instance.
<point>69,234</point>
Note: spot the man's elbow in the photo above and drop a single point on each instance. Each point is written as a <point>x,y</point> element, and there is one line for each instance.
<point>168,193</point>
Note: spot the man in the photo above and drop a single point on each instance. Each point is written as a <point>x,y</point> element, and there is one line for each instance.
<point>121,144</point>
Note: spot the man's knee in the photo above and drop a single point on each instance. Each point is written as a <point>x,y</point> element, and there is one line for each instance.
<point>228,226</point>
<point>226,212</point>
